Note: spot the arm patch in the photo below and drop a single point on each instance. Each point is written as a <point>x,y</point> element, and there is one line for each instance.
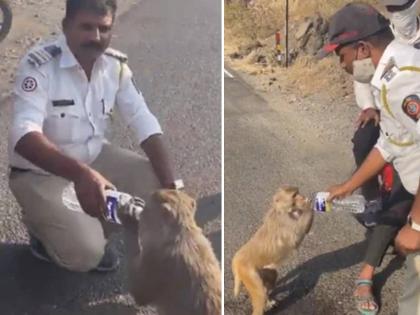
<point>411,107</point>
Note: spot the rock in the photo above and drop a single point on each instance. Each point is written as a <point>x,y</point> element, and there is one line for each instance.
<point>262,59</point>
<point>314,44</point>
<point>317,21</point>
<point>246,49</point>
<point>235,55</point>
<point>323,29</point>
<point>304,41</point>
<point>252,57</point>
<point>303,28</point>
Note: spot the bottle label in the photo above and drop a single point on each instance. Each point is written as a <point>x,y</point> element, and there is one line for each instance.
<point>320,203</point>
<point>113,203</point>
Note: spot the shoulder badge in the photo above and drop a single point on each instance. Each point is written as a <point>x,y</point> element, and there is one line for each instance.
<point>411,107</point>
<point>116,54</point>
<point>43,55</point>
<point>390,70</point>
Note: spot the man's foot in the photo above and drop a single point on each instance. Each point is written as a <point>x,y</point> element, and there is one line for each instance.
<point>363,295</point>
<point>109,262</point>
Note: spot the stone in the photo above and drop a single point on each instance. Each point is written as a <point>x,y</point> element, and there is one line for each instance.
<point>314,44</point>
<point>303,28</point>
<point>252,57</point>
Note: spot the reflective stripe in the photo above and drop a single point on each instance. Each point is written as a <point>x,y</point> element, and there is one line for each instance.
<point>400,144</point>
<point>385,101</point>
<point>410,68</point>
<point>388,109</point>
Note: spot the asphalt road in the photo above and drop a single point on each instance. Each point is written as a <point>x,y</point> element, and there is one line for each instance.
<point>174,49</point>
<point>267,146</point>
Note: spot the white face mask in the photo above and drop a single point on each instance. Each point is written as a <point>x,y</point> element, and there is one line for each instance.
<point>363,70</point>
<point>405,22</point>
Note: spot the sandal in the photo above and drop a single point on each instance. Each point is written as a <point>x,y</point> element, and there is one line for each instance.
<point>361,301</point>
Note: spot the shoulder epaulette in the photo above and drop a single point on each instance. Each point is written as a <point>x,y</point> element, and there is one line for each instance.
<point>390,70</point>
<point>43,55</point>
<point>116,54</point>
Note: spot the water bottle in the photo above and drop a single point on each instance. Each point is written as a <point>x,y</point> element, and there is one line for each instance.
<point>353,203</point>
<point>116,201</point>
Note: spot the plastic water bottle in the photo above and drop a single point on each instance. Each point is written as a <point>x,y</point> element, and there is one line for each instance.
<point>116,201</point>
<point>354,203</point>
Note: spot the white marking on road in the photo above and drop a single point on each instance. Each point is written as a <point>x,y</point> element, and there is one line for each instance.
<point>229,74</point>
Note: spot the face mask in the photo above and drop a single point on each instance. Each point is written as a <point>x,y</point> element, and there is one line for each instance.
<point>405,22</point>
<point>363,70</point>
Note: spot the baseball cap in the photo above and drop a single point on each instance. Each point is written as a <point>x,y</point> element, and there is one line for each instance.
<point>353,22</point>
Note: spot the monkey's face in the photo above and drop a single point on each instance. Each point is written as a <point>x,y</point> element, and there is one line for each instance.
<point>288,201</point>
<point>177,205</point>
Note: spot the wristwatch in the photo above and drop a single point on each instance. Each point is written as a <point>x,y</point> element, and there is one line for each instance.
<point>415,226</point>
<point>177,184</point>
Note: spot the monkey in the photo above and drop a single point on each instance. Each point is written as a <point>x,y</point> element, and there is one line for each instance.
<point>171,264</point>
<point>255,264</point>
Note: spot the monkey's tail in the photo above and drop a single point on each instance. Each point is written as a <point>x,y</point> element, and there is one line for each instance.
<point>236,278</point>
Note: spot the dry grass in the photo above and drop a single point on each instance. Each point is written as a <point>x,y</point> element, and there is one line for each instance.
<point>326,73</point>
<point>262,18</point>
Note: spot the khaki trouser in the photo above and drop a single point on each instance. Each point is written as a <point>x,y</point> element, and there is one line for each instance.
<point>409,303</point>
<point>74,240</point>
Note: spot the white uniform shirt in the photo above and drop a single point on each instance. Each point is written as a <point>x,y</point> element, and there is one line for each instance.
<point>362,91</point>
<point>396,86</point>
<point>54,96</point>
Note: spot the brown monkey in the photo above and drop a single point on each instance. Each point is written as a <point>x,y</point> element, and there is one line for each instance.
<point>171,263</point>
<point>286,223</point>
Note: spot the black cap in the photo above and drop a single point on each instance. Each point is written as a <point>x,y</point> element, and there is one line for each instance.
<point>353,22</point>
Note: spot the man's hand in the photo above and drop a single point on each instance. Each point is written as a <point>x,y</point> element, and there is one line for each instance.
<point>339,191</point>
<point>367,115</point>
<point>90,190</point>
<point>407,240</point>
<point>157,153</point>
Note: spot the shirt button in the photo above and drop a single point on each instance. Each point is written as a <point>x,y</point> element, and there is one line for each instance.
<point>90,114</point>
<point>63,115</point>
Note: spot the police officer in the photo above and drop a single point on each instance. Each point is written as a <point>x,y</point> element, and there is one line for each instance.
<point>362,39</point>
<point>66,91</point>
<point>405,27</point>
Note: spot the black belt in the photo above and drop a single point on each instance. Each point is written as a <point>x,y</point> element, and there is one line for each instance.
<point>18,169</point>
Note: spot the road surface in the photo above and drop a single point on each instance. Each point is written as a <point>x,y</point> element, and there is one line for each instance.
<point>267,146</point>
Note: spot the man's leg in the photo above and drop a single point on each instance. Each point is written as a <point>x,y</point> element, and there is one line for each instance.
<point>379,238</point>
<point>409,303</point>
<point>128,171</point>
<point>132,174</point>
<point>72,239</point>
<point>364,140</point>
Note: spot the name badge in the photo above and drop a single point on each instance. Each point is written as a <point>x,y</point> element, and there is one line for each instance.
<point>60,103</point>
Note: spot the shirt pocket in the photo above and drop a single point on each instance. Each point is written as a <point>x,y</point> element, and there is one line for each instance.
<point>106,117</point>
<point>64,125</point>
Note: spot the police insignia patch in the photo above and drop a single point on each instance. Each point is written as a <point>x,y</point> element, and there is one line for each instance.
<point>29,84</point>
<point>411,107</point>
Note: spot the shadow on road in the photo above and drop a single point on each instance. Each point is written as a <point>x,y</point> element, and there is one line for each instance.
<point>302,280</point>
<point>380,278</point>
<point>299,282</point>
<point>208,209</point>
<point>31,287</point>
